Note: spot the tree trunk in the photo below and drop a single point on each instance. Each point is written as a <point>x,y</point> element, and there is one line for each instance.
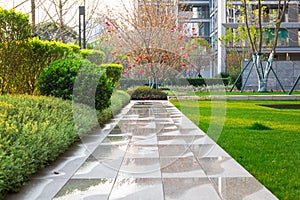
<point>264,81</point>
<point>261,71</point>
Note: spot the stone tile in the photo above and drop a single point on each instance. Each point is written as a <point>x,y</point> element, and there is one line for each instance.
<point>38,189</point>
<point>149,139</point>
<point>142,151</point>
<point>208,150</point>
<point>116,140</point>
<point>86,189</point>
<point>140,168</point>
<point>173,150</point>
<point>191,131</point>
<point>110,151</point>
<point>222,167</point>
<point>137,188</point>
<point>94,168</point>
<point>62,168</point>
<point>181,167</point>
<point>247,188</point>
<point>164,140</point>
<point>189,188</point>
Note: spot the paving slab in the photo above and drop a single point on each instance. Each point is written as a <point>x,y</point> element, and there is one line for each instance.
<point>150,151</point>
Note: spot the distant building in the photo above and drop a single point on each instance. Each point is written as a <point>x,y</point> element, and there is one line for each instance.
<point>210,19</point>
<point>288,47</point>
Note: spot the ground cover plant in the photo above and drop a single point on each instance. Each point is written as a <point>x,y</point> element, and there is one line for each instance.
<point>35,130</point>
<point>266,141</point>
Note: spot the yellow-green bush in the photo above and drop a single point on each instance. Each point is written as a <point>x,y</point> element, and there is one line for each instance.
<point>118,100</point>
<point>94,56</point>
<point>33,132</point>
<point>113,71</point>
<point>36,130</point>
<point>19,73</point>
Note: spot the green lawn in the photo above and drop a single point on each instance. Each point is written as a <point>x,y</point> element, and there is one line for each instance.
<point>272,156</point>
<point>205,93</point>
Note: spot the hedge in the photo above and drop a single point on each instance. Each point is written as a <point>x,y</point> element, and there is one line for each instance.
<point>113,71</point>
<point>92,87</point>
<point>126,83</point>
<point>146,93</point>
<point>20,72</point>
<point>34,131</point>
<point>94,56</point>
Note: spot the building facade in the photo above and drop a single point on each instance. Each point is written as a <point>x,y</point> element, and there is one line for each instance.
<point>288,46</point>
<point>209,19</point>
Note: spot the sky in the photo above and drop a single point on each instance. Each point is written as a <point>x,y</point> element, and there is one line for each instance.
<point>71,17</point>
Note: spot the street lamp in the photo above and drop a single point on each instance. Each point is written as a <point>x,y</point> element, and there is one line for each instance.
<point>82,17</point>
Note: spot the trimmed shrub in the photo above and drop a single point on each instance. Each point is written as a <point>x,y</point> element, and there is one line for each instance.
<point>113,71</point>
<point>118,100</point>
<point>146,93</point>
<point>93,88</point>
<point>34,131</point>
<point>94,56</point>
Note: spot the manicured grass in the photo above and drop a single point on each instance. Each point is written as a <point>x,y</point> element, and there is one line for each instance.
<point>189,93</point>
<point>266,141</point>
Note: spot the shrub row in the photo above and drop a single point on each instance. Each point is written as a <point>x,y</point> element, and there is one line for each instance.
<point>35,130</point>
<point>146,93</point>
<point>94,56</point>
<point>126,83</point>
<point>24,61</point>
<point>118,100</point>
<point>81,81</point>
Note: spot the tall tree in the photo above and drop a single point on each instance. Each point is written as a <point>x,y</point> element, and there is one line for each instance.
<point>151,36</point>
<point>253,14</point>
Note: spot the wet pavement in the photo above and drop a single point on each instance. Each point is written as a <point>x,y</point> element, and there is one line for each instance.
<point>150,151</point>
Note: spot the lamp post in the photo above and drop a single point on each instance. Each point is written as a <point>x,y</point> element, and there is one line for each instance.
<point>82,42</point>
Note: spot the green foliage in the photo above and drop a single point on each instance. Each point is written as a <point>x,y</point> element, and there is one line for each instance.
<point>92,87</point>
<point>19,74</point>
<point>14,34</point>
<point>118,100</point>
<point>200,81</point>
<point>94,56</point>
<point>58,79</point>
<point>14,26</point>
<point>259,127</point>
<point>146,93</point>
<point>33,132</point>
<point>127,83</point>
<point>113,71</point>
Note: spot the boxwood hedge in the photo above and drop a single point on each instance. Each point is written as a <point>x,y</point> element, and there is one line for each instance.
<point>92,87</point>
<point>33,132</point>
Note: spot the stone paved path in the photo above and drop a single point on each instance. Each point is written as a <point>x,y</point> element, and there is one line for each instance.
<point>152,151</point>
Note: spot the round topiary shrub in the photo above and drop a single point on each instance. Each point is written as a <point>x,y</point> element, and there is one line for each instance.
<point>146,93</point>
<point>59,78</point>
